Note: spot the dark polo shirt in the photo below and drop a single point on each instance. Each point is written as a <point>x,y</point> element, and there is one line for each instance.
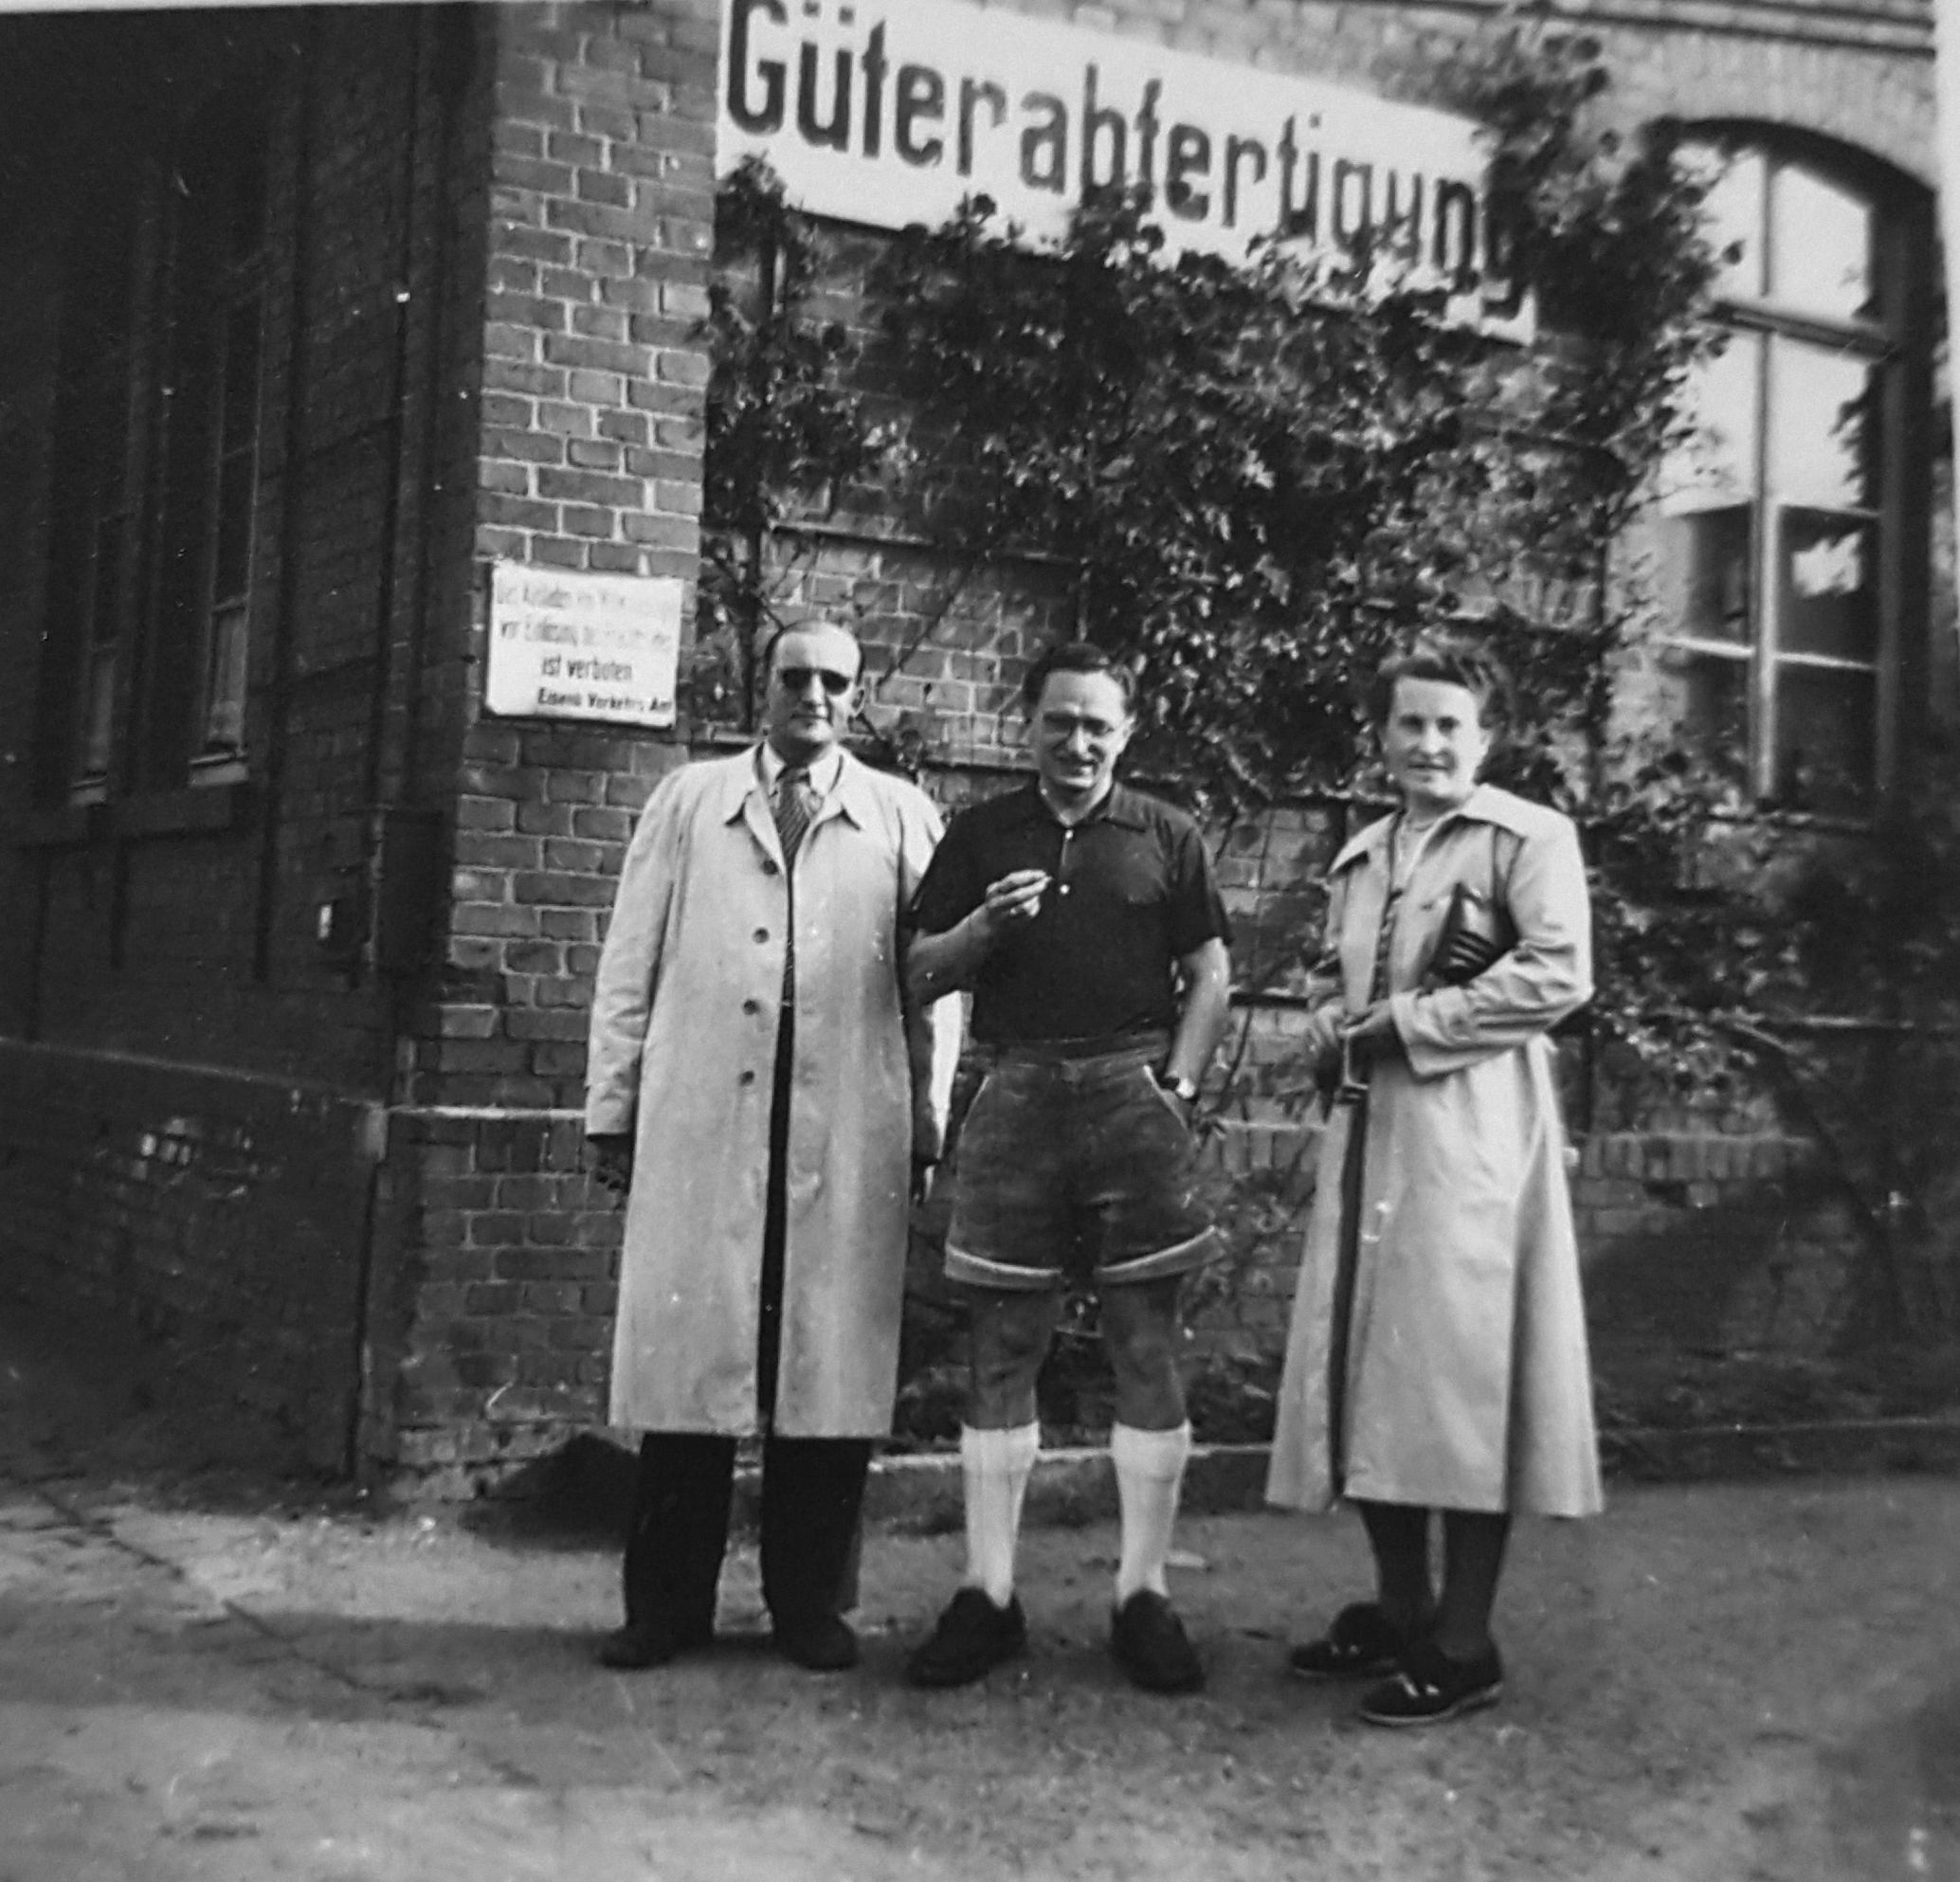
<point>1130,892</point>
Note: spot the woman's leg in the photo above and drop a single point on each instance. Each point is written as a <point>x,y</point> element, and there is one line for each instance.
<point>1473,1557</point>
<point>1399,1535</point>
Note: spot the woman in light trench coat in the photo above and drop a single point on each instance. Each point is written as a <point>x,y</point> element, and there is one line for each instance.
<point>1437,1356</point>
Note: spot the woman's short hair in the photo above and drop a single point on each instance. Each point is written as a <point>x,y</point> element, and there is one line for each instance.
<point>1450,659</point>
<point>1076,656</point>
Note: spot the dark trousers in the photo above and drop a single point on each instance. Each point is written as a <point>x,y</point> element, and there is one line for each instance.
<point>812,1488</point>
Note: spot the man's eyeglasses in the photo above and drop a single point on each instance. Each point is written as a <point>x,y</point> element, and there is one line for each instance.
<point>797,679</point>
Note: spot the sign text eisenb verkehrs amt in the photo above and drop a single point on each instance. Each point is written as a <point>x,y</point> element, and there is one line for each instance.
<point>892,112</point>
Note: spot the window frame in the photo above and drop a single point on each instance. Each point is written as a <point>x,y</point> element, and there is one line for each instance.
<point>160,444</point>
<point>1892,342</point>
<point>241,283</point>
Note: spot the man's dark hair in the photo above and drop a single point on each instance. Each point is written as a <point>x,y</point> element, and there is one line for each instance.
<point>1076,656</point>
<point>821,623</point>
<point>1451,659</point>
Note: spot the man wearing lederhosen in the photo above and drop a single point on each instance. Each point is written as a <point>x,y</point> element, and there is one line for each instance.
<point>1085,917</point>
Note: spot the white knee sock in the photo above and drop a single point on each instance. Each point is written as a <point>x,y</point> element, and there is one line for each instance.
<point>996,1466</point>
<point>1150,1472</point>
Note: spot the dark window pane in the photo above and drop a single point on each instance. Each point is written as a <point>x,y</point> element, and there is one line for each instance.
<point>98,714</point>
<point>249,156</point>
<point>1705,573</point>
<point>233,571</point>
<point>105,613</point>
<point>242,374</point>
<point>1828,582</point>
<point>1826,737</point>
<point>1715,713</point>
<point>225,683</point>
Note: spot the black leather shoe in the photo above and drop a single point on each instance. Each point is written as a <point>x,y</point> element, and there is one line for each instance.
<point>1429,1687</point>
<point>972,1636</point>
<point>1363,1643</point>
<point>822,1644</point>
<point>637,1649</point>
<point>1150,1645</point>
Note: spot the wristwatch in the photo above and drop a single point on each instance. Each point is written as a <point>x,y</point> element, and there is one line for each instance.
<point>1184,1090</point>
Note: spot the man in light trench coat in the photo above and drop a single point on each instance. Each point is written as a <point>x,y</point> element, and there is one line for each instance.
<point>759,1085</point>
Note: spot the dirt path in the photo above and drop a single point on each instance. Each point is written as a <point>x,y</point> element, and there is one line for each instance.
<point>1695,1692</point>
<point>1754,1683</point>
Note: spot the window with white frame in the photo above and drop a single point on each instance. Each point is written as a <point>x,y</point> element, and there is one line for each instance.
<point>1780,516</point>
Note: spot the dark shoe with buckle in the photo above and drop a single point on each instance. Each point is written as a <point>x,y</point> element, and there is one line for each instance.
<point>972,1636</point>
<point>1429,1687</point>
<point>1150,1645</point>
<point>635,1648</point>
<point>821,1642</point>
<point>1363,1643</point>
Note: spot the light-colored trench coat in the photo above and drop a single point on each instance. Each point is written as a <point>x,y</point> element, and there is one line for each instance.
<point>683,1041</point>
<point>1468,1386</point>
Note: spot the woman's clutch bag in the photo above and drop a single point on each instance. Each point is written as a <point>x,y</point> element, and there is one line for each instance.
<point>1475,933</point>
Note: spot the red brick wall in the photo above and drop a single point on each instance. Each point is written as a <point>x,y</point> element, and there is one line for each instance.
<point>558,220</point>
<point>162,945</point>
<point>491,1333</point>
<point>155,902</point>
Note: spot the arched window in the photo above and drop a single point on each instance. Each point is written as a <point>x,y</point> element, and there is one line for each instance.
<point>1790,519</point>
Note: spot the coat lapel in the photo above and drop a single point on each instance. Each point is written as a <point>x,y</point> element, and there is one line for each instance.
<point>745,798</point>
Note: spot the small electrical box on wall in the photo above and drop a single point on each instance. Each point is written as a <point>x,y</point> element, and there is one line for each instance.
<point>338,927</point>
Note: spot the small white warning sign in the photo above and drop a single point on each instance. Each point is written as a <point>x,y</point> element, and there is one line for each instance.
<point>566,644</point>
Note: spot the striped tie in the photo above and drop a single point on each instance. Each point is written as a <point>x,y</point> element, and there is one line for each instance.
<point>793,809</point>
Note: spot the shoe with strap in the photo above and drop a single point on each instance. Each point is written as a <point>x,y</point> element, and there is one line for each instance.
<point>1429,1687</point>
<point>1363,1643</point>
<point>972,1636</point>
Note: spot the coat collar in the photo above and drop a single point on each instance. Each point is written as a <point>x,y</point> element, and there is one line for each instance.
<point>739,793</point>
<point>823,771</point>
<point>1487,804</point>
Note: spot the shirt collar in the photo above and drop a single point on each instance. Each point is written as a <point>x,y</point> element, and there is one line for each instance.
<point>1122,806</point>
<point>824,771</point>
<point>1486,804</point>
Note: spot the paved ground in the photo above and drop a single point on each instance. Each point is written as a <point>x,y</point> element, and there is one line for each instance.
<point>205,1674</point>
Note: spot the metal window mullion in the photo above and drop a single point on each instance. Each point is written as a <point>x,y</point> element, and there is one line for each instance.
<point>1827,663</point>
<point>1765,600</point>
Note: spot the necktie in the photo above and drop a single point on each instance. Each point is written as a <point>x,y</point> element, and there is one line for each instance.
<point>794,806</point>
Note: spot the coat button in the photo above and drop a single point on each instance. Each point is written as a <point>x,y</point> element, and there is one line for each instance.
<point>747,1078</point>
<point>769,865</point>
<point>762,934</point>
<point>752,1006</point>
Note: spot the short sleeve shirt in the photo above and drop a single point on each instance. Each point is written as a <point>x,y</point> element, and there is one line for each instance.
<point>1130,892</point>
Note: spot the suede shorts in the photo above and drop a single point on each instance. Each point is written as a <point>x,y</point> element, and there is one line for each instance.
<point>1075,1172</point>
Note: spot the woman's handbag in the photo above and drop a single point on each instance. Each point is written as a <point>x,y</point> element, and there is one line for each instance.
<point>1475,933</point>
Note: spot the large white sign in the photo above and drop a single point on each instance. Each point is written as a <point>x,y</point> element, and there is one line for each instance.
<point>569,645</point>
<point>889,112</point>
